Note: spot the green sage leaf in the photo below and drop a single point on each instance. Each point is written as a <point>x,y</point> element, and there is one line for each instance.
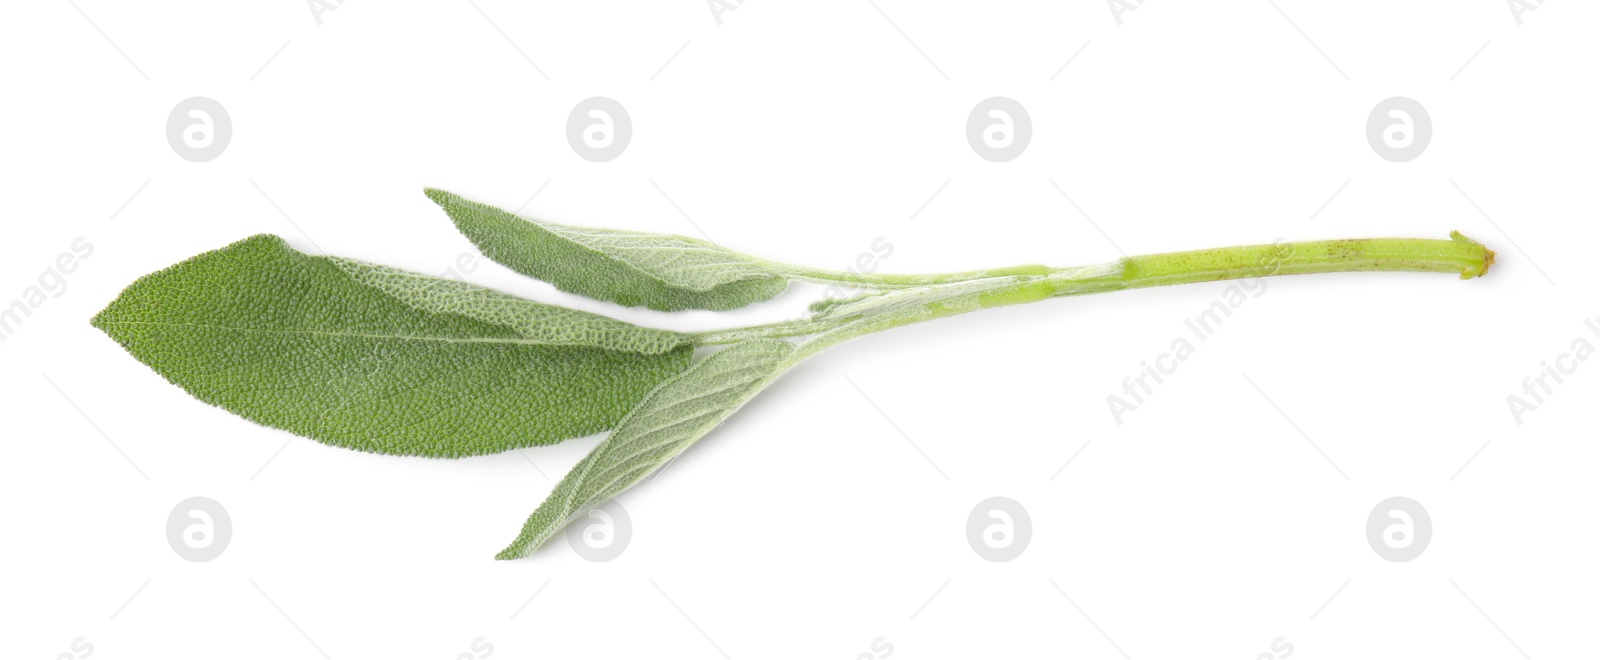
<point>369,358</point>
<point>658,271</point>
<point>676,414</point>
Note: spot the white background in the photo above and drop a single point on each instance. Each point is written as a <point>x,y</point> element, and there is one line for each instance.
<point>1205,525</point>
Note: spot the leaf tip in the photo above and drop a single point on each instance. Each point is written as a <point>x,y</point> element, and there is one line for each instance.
<point>131,298</point>
<point>437,195</point>
<point>458,209</point>
<point>97,322</point>
<point>521,548</point>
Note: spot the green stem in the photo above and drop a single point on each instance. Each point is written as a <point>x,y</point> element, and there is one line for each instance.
<point>837,321</point>
<point>897,281</point>
<point>1460,255</point>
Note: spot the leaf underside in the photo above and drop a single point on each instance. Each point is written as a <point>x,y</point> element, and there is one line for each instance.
<point>365,357</point>
<point>658,271</point>
<point>672,417</point>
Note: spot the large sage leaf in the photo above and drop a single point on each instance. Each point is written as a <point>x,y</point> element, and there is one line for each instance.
<point>658,271</point>
<point>673,416</point>
<point>374,359</point>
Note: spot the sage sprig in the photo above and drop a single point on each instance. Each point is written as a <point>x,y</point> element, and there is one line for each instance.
<point>372,358</point>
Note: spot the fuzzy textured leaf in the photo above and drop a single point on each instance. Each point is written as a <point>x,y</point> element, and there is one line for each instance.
<point>369,358</point>
<point>675,415</point>
<point>547,324</point>
<point>658,271</point>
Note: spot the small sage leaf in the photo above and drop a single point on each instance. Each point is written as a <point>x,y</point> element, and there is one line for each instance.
<point>658,271</point>
<point>364,357</point>
<point>675,415</point>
